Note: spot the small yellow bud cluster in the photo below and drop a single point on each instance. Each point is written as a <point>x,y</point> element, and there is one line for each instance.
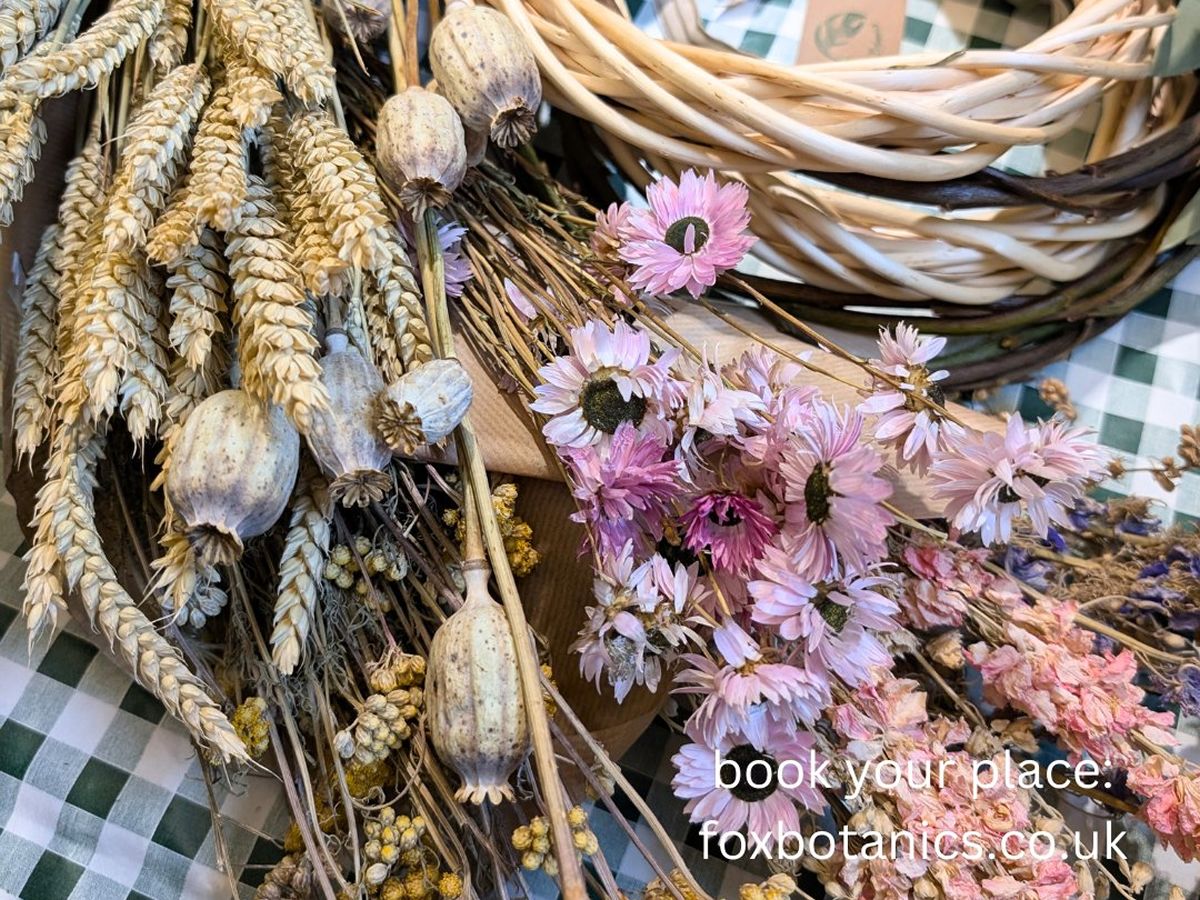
<point>362,778</point>
<point>388,837</point>
<point>397,670</point>
<point>777,887</point>
<point>422,883</point>
<point>250,724</point>
<point>384,720</point>
<point>518,536</point>
<point>656,890</point>
<point>533,840</point>
<point>547,697</point>
<point>344,570</point>
<point>607,784</point>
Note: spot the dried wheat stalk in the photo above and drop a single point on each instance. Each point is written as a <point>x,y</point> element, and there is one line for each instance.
<point>308,73</point>
<point>275,339</point>
<point>395,316</point>
<point>78,215</point>
<point>324,272</point>
<point>22,134</point>
<point>81,63</point>
<point>143,389</point>
<point>158,138</point>
<point>22,24</point>
<point>199,286</point>
<point>169,42</point>
<point>344,187</point>
<point>37,361</point>
<point>252,91</point>
<point>218,175</point>
<point>300,573</point>
<point>189,591</point>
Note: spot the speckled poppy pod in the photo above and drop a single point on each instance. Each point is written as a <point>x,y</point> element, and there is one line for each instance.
<point>473,693</point>
<point>485,68</point>
<point>420,148</point>
<point>423,406</point>
<point>341,437</point>
<point>233,467</point>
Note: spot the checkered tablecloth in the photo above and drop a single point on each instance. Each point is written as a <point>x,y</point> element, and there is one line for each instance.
<point>102,797</point>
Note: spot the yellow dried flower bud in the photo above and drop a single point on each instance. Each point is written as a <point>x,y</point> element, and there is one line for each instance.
<point>538,826</point>
<point>450,886</point>
<point>541,844</point>
<point>522,838</point>
<point>531,860</point>
<point>332,571</point>
<point>362,545</point>
<point>345,580</point>
<point>341,555</point>
<point>576,816</point>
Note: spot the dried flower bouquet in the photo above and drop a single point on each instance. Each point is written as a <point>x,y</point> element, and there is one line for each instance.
<point>237,333</point>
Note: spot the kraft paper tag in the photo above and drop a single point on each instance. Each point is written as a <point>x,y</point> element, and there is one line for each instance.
<point>840,30</point>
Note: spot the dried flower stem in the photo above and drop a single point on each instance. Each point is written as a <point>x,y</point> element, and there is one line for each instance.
<point>471,460</point>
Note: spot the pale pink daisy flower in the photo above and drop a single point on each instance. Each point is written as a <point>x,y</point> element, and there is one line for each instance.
<point>906,422</point>
<point>715,409</point>
<point>735,804</point>
<point>624,491</point>
<point>835,521</point>
<point>629,632</point>
<point>987,480</point>
<point>1068,454</point>
<point>835,625</point>
<point>730,526</point>
<point>748,697</point>
<point>611,224</point>
<point>693,231</point>
<point>606,380</point>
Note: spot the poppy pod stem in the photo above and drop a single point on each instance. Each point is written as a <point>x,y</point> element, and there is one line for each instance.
<point>475,476</point>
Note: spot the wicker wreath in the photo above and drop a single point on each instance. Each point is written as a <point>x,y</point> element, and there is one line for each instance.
<point>871,180</point>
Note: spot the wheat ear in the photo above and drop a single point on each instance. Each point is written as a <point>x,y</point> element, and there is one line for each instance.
<point>143,389</point>
<point>22,134</point>
<point>154,661</point>
<point>324,272</point>
<point>396,318</point>
<point>189,591</point>
<point>81,63</point>
<point>199,286</point>
<point>308,74</point>
<point>300,574</point>
<point>275,327</point>
<point>22,24</point>
<point>169,43</point>
<point>158,137</point>
<point>37,359</point>
<point>344,187</point>
<point>219,160</point>
<point>78,215</point>
<point>252,90</point>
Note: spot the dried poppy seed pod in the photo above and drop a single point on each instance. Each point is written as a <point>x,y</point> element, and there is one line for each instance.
<point>233,466</point>
<point>473,695</point>
<point>420,148</point>
<point>365,19</point>
<point>423,406</point>
<point>340,437</point>
<point>484,66</point>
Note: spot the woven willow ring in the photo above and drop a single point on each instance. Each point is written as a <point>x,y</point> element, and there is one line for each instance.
<point>871,179</point>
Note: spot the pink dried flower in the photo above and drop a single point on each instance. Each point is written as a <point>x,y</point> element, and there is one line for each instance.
<point>625,490</point>
<point>834,624</point>
<point>606,380</point>
<point>611,225</point>
<point>907,423</point>
<point>520,301</point>
<point>748,697</point>
<point>1089,700</point>
<point>1172,807</point>
<point>691,233</point>
<point>763,810</point>
<point>730,526</point>
<point>943,583</point>
<point>987,480</point>
<point>835,521</point>
<point>633,627</point>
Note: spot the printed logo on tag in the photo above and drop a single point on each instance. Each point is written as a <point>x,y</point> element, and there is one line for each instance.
<point>837,30</point>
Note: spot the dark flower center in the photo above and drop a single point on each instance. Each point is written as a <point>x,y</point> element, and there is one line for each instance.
<point>605,408</point>
<point>744,755</point>
<point>1008,495</point>
<point>919,379</point>
<point>727,518</point>
<point>817,494</point>
<point>835,615</point>
<point>675,554</point>
<point>676,235</point>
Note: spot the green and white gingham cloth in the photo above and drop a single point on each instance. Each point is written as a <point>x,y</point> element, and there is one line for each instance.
<point>101,795</point>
